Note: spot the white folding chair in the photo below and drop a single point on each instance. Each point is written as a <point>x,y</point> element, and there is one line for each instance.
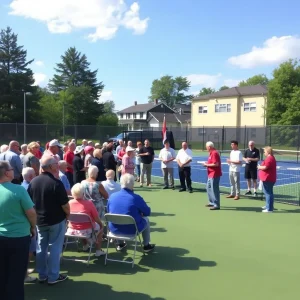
<point>122,220</point>
<point>80,218</point>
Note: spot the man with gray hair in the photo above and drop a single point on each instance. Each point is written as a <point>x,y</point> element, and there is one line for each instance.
<point>214,173</point>
<point>3,148</point>
<point>126,202</point>
<point>109,184</point>
<point>12,156</point>
<point>28,174</point>
<point>52,207</point>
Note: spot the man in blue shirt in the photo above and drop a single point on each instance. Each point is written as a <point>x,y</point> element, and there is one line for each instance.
<point>63,177</point>
<point>12,156</point>
<point>126,202</point>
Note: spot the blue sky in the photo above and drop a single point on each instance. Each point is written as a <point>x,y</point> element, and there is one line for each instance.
<point>131,43</point>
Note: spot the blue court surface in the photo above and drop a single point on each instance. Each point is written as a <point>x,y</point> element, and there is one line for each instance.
<point>288,173</point>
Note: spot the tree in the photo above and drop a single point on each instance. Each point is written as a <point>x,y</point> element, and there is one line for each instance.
<point>224,87</point>
<point>283,92</point>
<point>206,91</point>
<point>15,78</point>
<point>74,71</point>
<point>170,90</point>
<point>108,118</point>
<point>254,80</point>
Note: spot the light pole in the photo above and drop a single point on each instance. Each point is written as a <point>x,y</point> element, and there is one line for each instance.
<point>25,114</point>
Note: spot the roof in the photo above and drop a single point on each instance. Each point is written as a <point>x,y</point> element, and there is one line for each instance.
<point>184,118</point>
<point>236,92</point>
<point>186,106</point>
<point>138,108</point>
<point>170,118</point>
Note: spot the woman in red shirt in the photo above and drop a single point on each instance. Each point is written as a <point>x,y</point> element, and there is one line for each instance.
<point>120,154</point>
<point>267,175</point>
<point>80,205</point>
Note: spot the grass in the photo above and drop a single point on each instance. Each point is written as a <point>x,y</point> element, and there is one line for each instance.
<point>237,253</point>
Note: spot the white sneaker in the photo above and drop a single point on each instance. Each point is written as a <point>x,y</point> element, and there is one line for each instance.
<point>100,253</point>
<point>266,211</point>
<point>29,279</point>
<point>264,207</point>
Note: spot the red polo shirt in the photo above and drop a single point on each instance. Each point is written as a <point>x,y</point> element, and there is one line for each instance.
<point>214,158</point>
<point>270,173</point>
<point>69,157</point>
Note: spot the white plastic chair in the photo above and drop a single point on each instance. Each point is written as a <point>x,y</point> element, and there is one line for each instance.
<point>122,220</point>
<point>80,218</point>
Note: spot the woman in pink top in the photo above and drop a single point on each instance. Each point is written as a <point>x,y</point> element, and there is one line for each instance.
<point>267,174</point>
<point>80,205</point>
<point>128,165</point>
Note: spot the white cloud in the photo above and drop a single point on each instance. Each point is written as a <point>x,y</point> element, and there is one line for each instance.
<point>40,78</point>
<point>274,50</point>
<point>204,80</point>
<point>104,17</point>
<point>39,63</point>
<point>105,95</point>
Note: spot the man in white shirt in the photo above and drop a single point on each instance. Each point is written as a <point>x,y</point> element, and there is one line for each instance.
<point>167,155</point>
<point>235,162</point>
<point>109,184</point>
<point>184,158</point>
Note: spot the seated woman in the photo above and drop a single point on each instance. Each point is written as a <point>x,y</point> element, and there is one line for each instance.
<point>80,205</point>
<point>93,190</point>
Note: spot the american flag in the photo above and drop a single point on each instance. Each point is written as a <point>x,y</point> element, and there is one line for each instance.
<point>164,129</point>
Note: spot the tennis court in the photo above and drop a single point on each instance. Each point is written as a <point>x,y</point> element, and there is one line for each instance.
<point>287,188</point>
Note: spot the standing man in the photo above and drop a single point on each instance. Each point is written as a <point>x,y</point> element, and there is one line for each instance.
<point>184,158</point>
<point>167,155</point>
<point>52,207</point>
<point>214,173</point>
<point>12,156</point>
<point>69,157</point>
<point>147,156</point>
<point>251,158</point>
<point>109,161</point>
<point>235,162</point>
<point>120,146</point>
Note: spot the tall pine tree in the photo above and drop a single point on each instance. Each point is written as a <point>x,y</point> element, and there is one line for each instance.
<point>15,77</point>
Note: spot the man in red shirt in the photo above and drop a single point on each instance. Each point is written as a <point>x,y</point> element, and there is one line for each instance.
<point>69,157</point>
<point>214,173</point>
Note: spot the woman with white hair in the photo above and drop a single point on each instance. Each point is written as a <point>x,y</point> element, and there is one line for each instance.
<point>80,205</point>
<point>93,190</point>
<point>128,161</point>
<point>3,148</point>
<point>23,150</point>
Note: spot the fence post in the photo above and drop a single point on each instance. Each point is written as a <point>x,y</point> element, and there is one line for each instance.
<point>203,137</point>
<point>245,137</point>
<point>223,137</point>
<point>298,144</point>
<point>270,135</point>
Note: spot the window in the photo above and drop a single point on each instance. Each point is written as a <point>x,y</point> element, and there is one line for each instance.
<point>250,106</point>
<point>141,115</point>
<point>219,108</point>
<point>201,131</point>
<point>127,116</point>
<point>202,110</point>
<point>121,116</point>
<point>134,115</point>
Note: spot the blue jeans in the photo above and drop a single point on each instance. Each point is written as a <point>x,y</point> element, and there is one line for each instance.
<point>213,191</point>
<point>138,170</point>
<point>54,235</point>
<point>268,191</point>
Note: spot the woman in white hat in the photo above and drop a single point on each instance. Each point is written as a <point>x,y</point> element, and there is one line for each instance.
<point>128,161</point>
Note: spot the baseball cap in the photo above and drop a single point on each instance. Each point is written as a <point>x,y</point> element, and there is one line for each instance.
<point>55,143</point>
<point>88,149</point>
<point>128,149</point>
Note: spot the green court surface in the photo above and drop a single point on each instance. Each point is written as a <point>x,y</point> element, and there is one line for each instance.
<point>237,253</point>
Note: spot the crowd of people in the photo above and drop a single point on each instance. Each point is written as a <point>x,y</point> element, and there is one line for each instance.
<point>40,188</point>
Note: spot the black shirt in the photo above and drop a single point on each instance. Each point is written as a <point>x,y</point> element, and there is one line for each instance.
<point>99,164</point>
<point>78,165</point>
<point>109,161</point>
<point>147,159</point>
<point>254,153</point>
<point>48,195</point>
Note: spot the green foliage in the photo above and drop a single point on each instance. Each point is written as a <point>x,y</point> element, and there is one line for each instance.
<point>74,71</point>
<point>224,87</point>
<point>108,118</point>
<point>283,90</point>
<point>206,91</point>
<point>15,77</point>
<point>170,90</point>
<point>254,80</point>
